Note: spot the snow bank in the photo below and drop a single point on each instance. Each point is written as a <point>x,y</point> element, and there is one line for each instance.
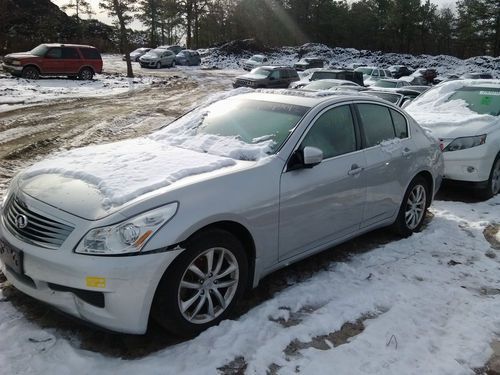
<point>345,57</point>
<point>17,92</point>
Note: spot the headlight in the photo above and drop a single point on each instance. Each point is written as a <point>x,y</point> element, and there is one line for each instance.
<point>129,236</point>
<point>16,62</point>
<point>465,142</point>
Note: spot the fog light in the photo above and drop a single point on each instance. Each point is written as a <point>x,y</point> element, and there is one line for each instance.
<point>471,169</point>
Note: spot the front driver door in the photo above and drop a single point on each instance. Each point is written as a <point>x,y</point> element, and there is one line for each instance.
<point>326,202</point>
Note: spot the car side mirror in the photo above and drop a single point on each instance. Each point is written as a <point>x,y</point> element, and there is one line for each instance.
<point>272,78</point>
<point>305,158</point>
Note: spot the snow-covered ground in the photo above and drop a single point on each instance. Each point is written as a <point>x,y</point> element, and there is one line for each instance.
<point>427,304</point>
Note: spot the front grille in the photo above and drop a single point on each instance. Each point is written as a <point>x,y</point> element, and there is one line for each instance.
<point>39,230</point>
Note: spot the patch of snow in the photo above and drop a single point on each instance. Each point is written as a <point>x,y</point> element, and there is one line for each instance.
<point>391,145</point>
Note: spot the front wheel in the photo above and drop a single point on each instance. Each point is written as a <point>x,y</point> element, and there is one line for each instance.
<point>158,65</point>
<point>173,64</point>
<point>413,208</point>
<point>30,72</point>
<point>201,287</point>
<point>493,186</point>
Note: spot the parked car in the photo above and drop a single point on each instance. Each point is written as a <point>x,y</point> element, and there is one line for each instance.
<point>421,77</point>
<point>177,228</point>
<point>445,77</point>
<point>72,60</point>
<point>464,116</point>
<point>320,74</point>
<point>327,84</point>
<point>309,63</point>
<point>188,57</point>
<point>482,75</point>
<point>158,58</point>
<point>393,97</point>
<point>174,48</point>
<point>134,55</point>
<point>254,62</point>
<point>398,71</point>
<point>268,77</point>
<point>389,83</point>
<point>372,74</point>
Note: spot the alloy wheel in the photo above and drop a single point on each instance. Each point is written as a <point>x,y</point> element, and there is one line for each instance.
<point>415,207</point>
<point>208,285</point>
<point>495,178</point>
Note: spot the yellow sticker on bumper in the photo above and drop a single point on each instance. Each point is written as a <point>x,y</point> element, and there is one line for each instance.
<point>96,282</point>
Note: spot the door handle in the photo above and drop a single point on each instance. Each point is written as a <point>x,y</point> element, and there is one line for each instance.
<point>355,170</point>
<point>407,152</point>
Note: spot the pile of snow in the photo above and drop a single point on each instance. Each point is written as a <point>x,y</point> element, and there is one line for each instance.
<point>19,92</point>
<point>344,58</point>
<point>429,305</point>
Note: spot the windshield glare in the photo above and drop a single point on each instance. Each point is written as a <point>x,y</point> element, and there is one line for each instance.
<point>482,100</point>
<point>41,50</point>
<point>261,72</point>
<point>252,121</point>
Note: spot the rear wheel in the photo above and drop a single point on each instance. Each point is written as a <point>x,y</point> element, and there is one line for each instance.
<point>86,74</point>
<point>202,286</point>
<point>413,208</point>
<point>493,186</point>
<point>30,72</point>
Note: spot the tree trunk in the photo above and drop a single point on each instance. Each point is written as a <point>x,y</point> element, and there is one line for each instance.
<point>123,38</point>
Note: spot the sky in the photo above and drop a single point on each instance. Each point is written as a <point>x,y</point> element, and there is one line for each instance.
<point>102,16</point>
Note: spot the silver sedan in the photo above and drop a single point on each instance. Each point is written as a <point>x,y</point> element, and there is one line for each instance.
<point>178,224</point>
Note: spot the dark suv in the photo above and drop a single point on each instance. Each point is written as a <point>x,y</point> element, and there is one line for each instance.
<point>345,74</point>
<point>399,71</point>
<point>268,77</point>
<point>70,60</point>
<point>309,63</point>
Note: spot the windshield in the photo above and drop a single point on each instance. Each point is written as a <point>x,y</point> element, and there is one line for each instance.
<point>139,50</point>
<point>482,100</point>
<point>256,58</point>
<point>41,50</point>
<point>382,83</point>
<point>366,71</point>
<point>261,72</point>
<point>235,127</point>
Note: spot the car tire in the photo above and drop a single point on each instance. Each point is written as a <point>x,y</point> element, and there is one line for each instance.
<point>493,186</point>
<point>158,65</point>
<point>30,72</point>
<point>415,202</point>
<point>86,74</point>
<point>173,64</point>
<point>193,296</point>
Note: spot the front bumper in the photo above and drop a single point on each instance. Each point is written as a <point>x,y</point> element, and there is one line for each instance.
<point>470,165</point>
<point>12,69</point>
<point>72,282</point>
<point>148,64</point>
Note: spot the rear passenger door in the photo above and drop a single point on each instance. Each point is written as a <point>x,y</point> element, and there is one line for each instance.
<point>52,61</point>
<point>388,150</point>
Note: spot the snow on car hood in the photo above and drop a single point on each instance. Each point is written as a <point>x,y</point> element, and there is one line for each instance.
<point>94,181</point>
<point>450,119</point>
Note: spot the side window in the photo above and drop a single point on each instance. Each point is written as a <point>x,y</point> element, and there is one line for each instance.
<point>90,53</point>
<point>333,133</point>
<point>375,73</point>
<point>275,74</point>
<point>377,123</point>
<point>400,125</point>
<point>70,53</point>
<point>54,53</point>
<point>264,60</point>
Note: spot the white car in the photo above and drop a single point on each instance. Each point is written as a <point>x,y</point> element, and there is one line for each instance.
<point>464,115</point>
<point>372,74</point>
<point>254,62</point>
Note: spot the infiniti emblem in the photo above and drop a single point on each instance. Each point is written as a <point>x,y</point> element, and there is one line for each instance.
<point>21,221</point>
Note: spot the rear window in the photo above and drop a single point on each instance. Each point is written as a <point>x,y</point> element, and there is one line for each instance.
<point>482,100</point>
<point>90,53</point>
